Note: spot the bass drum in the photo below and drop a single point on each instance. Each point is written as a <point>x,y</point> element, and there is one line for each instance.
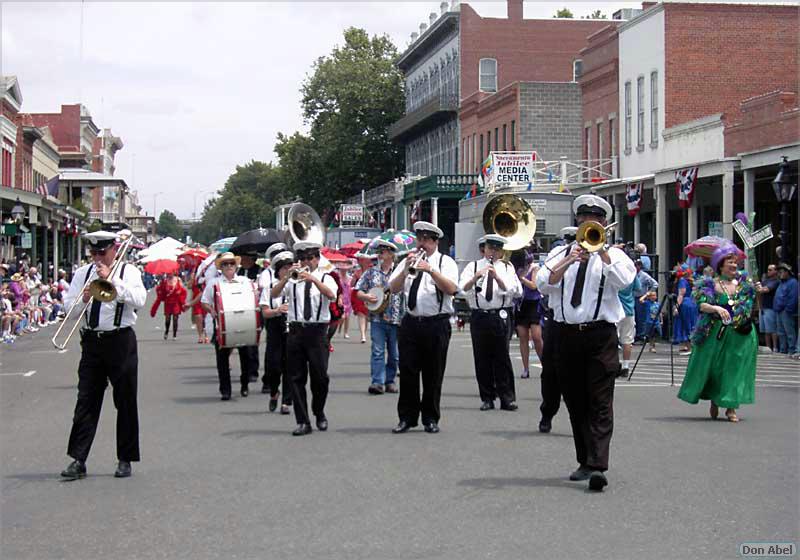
<point>238,314</point>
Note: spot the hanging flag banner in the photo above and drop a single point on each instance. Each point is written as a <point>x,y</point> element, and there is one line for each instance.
<point>512,167</point>
<point>685,180</point>
<point>633,196</point>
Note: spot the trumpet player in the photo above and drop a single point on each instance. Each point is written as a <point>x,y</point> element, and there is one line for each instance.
<point>108,354</point>
<point>274,311</point>
<point>308,298</point>
<point>491,286</point>
<point>424,335</point>
<point>583,290</point>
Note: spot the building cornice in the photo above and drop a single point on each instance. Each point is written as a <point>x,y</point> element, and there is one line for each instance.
<point>442,27</point>
<point>648,13</point>
<point>695,126</point>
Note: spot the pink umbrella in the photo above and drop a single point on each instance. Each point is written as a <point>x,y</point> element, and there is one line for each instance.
<point>705,246</point>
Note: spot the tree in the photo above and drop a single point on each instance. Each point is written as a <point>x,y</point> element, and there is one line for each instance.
<point>350,100</point>
<point>168,225</point>
<point>247,201</point>
<point>564,13</point>
<point>597,14</point>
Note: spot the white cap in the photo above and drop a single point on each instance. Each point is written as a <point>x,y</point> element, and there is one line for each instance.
<point>100,239</point>
<point>495,239</point>
<point>275,248</point>
<point>282,258</point>
<point>306,246</point>
<point>568,231</point>
<point>591,204</point>
<point>427,226</point>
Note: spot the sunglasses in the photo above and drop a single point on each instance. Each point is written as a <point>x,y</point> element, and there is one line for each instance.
<point>98,252</point>
<point>307,257</point>
<point>229,263</point>
<point>422,235</point>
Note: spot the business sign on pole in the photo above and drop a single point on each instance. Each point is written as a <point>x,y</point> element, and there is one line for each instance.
<point>352,213</point>
<point>26,241</point>
<point>510,168</point>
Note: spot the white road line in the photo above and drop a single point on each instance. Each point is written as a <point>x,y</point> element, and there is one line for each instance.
<point>64,351</point>
<point>22,373</point>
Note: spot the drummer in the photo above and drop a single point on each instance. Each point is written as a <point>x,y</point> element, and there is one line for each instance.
<point>250,269</point>
<point>227,263</point>
<point>372,285</point>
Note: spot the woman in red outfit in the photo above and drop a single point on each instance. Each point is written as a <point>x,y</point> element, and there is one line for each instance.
<point>173,294</point>
<point>198,313</point>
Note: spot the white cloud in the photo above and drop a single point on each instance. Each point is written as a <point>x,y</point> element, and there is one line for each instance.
<point>193,89</point>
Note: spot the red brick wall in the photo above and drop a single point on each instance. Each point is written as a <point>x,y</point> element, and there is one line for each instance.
<point>481,117</point>
<point>772,119</point>
<point>530,50</point>
<point>600,90</point>
<point>719,54</point>
<point>65,126</point>
<point>23,160</point>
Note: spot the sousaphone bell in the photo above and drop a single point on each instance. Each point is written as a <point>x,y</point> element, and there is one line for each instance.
<point>304,224</point>
<point>513,218</point>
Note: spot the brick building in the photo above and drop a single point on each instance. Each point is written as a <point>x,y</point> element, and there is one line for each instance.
<point>689,71</point>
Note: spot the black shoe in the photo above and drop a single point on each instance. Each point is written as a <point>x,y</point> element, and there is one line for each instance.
<point>264,390</point>
<point>322,424</point>
<point>302,429</point>
<point>403,427</point>
<point>510,406</point>
<point>273,403</point>
<point>225,397</point>
<point>597,481</point>
<point>166,335</point>
<point>623,372</point>
<point>432,428</point>
<point>545,425</point>
<point>487,405</point>
<point>123,470</point>
<point>581,473</point>
<point>244,392</point>
<point>75,470</point>
<point>375,389</point>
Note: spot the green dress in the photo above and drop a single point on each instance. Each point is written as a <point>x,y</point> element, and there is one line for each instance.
<point>722,370</point>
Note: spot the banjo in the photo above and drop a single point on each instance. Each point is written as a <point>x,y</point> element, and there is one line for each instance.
<point>383,296</point>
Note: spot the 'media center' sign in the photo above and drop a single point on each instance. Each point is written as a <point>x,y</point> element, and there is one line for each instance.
<point>513,168</point>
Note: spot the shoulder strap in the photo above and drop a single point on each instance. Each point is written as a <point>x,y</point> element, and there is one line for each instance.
<point>319,307</point>
<point>439,294</point>
<point>86,279</point>
<point>294,300</point>
<point>120,304</point>
<point>599,296</point>
<point>477,303</point>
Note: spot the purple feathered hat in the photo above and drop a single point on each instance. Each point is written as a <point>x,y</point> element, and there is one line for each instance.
<point>723,251</point>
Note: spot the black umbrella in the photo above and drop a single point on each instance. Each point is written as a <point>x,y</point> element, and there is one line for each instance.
<point>255,241</point>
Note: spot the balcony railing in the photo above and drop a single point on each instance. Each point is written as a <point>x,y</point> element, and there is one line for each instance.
<point>104,217</point>
<point>437,108</point>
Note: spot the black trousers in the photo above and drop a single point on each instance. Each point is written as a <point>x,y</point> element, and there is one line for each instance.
<point>275,367</point>
<point>308,358</point>
<point>111,358</point>
<point>551,391</point>
<point>588,363</point>
<point>493,368</point>
<point>422,344</point>
<point>246,363</point>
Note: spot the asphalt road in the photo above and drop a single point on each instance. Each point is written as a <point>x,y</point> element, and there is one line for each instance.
<point>227,480</point>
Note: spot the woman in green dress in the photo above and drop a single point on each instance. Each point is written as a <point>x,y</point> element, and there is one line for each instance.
<point>722,367</point>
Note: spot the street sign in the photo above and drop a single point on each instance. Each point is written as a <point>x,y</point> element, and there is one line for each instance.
<point>26,240</point>
<point>754,239</point>
<point>715,228</point>
<point>8,229</point>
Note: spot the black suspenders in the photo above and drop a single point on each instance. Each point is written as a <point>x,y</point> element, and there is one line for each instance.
<point>85,279</point>
<point>120,304</point>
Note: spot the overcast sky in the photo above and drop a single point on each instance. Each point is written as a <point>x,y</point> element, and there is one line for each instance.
<point>193,89</point>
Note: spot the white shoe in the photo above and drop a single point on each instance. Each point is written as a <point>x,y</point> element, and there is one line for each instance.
<point>346,335</point>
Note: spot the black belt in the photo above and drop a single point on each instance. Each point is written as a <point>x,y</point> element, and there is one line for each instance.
<point>424,319</point>
<point>299,325</point>
<point>492,311</point>
<point>581,327</point>
<point>104,334</point>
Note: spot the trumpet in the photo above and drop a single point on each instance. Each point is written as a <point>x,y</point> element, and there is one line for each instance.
<point>482,279</point>
<point>412,268</point>
<point>295,274</point>
<point>592,235</point>
<point>100,289</point>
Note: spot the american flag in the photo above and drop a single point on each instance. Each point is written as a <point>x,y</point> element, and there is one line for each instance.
<point>50,188</point>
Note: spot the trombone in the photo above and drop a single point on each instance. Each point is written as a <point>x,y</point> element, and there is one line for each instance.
<point>592,235</point>
<point>100,289</point>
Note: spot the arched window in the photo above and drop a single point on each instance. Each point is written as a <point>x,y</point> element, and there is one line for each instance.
<point>488,75</point>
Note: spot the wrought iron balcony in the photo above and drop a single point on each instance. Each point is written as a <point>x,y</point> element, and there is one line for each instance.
<point>438,109</point>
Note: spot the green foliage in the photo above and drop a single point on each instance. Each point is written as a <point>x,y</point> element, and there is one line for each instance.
<point>564,13</point>
<point>597,14</point>
<point>247,202</point>
<point>349,101</point>
<point>168,225</point>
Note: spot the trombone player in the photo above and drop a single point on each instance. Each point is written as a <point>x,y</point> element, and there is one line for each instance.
<point>108,353</point>
<point>583,287</point>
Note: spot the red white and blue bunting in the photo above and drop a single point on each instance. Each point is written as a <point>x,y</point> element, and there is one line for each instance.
<point>633,196</point>
<point>685,181</point>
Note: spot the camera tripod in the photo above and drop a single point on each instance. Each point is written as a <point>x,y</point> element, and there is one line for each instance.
<point>649,335</point>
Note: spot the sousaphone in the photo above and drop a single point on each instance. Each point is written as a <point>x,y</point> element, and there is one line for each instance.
<point>304,224</point>
<point>510,216</point>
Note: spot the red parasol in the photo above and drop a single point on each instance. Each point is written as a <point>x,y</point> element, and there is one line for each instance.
<point>334,256</point>
<point>352,248</point>
<point>162,266</point>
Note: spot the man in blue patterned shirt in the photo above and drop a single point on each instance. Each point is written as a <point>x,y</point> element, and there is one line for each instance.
<point>384,325</point>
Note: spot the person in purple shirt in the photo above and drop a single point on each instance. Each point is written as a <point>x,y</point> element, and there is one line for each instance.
<point>528,317</point>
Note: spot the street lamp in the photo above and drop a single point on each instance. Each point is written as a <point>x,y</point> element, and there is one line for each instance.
<point>155,197</point>
<point>194,210</point>
<point>784,190</point>
<point>18,212</point>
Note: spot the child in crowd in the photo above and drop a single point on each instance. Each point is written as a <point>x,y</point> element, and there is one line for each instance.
<point>653,323</point>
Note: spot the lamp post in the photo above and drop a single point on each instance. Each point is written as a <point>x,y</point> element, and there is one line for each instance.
<point>18,212</point>
<point>194,210</point>
<point>155,197</point>
<point>784,190</point>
